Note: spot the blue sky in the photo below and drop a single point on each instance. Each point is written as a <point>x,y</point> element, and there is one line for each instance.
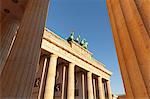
<point>89,19</point>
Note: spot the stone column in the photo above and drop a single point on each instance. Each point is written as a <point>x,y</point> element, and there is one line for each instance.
<point>144,10</point>
<point>50,81</point>
<point>121,59</point>
<point>109,89</point>
<point>90,86</point>
<point>17,77</point>
<point>94,87</point>
<point>83,86</point>
<point>139,37</point>
<point>132,44</point>
<point>63,82</point>
<point>7,36</point>
<point>71,83</point>
<point>101,88</point>
<point>41,89</point>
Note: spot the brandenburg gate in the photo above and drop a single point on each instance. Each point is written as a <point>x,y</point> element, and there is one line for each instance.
<point>67,70</point>
<point>40,64</point>
<point>35,62</point>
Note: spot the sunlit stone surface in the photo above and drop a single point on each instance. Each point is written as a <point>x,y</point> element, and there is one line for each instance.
<point>130,21</point>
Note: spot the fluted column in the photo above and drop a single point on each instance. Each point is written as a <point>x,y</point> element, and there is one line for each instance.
<point>130,37</point>
<point>9,28</point>
<point>109,89</point>
<point>144,10</point>
<point>101,88</point>
<point>121,59</point>
<point>90,86</point>
<point>139,37</point>
<point>50,81</point>
<point>17,77</point>
<point>71,83</point>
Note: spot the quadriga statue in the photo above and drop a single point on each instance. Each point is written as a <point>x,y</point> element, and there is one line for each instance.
<point>71,37</point>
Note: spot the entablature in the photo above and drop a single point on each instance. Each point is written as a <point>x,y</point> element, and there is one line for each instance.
<point>63,47</point>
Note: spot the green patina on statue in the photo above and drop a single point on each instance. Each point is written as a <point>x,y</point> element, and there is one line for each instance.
<point>78,39</point>
<point>82,42</point>
<point>71,37</point>
<point>86,45</point>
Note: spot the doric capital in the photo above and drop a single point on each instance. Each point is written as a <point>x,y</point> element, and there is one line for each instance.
<point>54,56</point>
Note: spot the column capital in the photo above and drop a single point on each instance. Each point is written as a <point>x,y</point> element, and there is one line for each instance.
<point>89,72</point>
<point>54,55</point>
<point>72,64</point>
<point>100,77</point>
